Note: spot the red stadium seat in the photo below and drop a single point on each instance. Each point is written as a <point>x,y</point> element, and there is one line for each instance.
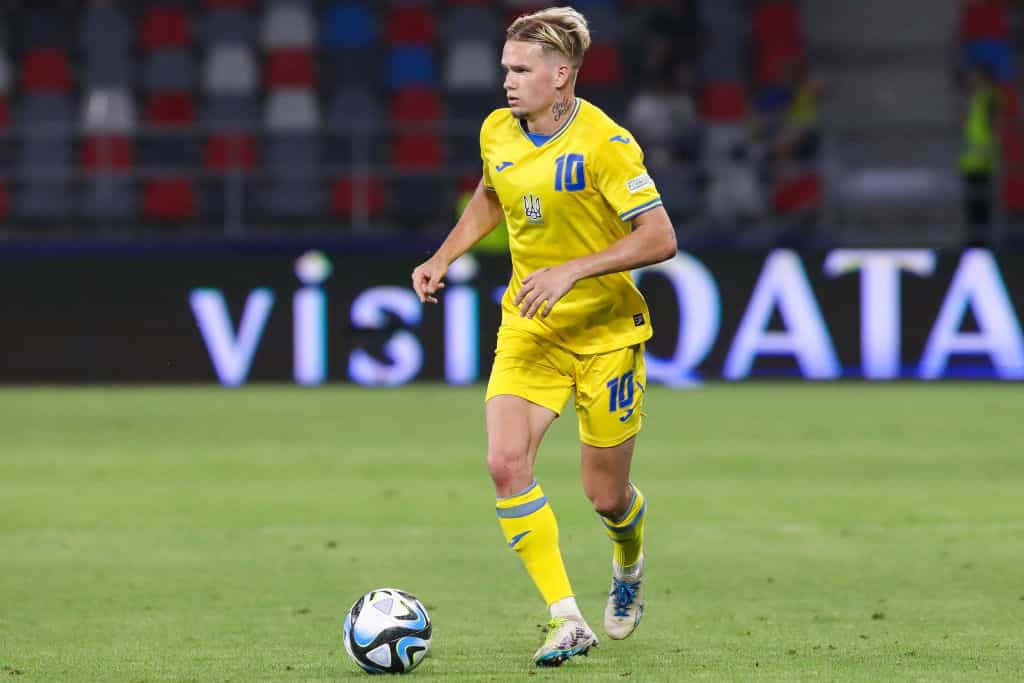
<point>5,113</point>
<point>410,26</point>
<point>602,65</point>
<point>1013,191</point>
<point>170,108</point>
<point>800,193</point>
<point>417,151</point>
<point>777,21</point>
<point>347,190</point>
<point>772,67</point>
<point>46,69</point>
<point>984,20</point>
<point>107,152</point>
<point>1009,104</point>
<point>1012,143</point>
<point>169,198</point>
<point>416,104</point>
<point>5,206</point>
<point>164,27</point>
<point>290,68</point>
<point>228,151</point>
<point>724,101</point>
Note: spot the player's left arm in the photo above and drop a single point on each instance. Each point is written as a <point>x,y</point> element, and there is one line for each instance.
<point>653,240</point>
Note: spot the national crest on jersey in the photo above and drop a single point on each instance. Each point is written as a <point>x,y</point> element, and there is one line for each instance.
<point>570,195</point>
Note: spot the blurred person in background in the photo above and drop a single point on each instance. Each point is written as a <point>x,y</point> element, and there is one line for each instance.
<point>664,118</point>
<point>582,212</point>
<point>978,156</point>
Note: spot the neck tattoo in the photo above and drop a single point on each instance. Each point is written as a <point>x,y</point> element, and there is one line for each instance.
<point>559,109</point>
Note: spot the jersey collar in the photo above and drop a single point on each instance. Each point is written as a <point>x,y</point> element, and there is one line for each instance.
<point>554,136</point>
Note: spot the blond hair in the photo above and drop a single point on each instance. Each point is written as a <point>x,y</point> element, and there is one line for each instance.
<point>559,29</point>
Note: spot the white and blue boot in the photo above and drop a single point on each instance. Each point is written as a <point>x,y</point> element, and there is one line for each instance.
<point>567,637</point>
<point>625,604</point>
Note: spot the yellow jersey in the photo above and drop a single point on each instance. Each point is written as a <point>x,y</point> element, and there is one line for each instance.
<point>569,195</point>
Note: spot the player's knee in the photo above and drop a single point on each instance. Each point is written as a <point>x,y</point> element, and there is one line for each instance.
<point>609,504</point>
<point>508,467</point>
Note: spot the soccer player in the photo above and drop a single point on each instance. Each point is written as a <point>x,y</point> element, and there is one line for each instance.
<point>581,213</point>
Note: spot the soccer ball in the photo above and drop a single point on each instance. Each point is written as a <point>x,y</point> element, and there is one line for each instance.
<point>387,631</point>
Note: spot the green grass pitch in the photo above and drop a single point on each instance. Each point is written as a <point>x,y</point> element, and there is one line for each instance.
<point>832,532</point>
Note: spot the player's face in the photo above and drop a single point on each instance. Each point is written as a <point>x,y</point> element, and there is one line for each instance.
<point>532,77</point>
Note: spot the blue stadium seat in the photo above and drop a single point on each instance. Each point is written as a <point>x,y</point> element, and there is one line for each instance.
<point>411,66</point>
<point>347,25</point>
<point>995,54</point>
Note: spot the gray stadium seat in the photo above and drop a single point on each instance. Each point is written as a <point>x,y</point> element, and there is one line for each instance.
<point>227,26</point>
<point>108,110</point>
<point>169,70</point>
<point>291,109</point>
<point>472,65</point>
<point>230,69</point>
<point>287,24</point>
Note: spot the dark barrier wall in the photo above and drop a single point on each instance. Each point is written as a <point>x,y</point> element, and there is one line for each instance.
<point>234,316</point>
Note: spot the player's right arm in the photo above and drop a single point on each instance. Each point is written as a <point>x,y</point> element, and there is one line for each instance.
<point>482,214</point>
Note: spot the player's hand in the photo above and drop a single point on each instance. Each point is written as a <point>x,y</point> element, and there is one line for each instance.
<point>427,279</point>
<point>545,285</point>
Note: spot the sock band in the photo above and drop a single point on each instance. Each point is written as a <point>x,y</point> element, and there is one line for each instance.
<point>522,510</point>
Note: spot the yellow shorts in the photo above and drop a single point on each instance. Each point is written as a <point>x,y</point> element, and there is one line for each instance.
<point>609,386</point>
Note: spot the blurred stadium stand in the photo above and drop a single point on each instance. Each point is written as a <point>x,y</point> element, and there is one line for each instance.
<point>763,120</point>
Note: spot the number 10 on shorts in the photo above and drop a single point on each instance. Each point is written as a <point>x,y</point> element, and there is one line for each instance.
<point>620,394</point>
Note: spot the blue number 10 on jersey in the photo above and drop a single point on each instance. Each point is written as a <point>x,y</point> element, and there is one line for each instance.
<point>569,173</point>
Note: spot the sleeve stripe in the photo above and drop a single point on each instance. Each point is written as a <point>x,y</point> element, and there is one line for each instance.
<point>637,210</point>
<point>489,188</point>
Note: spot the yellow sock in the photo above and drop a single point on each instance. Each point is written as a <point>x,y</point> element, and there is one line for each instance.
<point>531,530</point>
<point>627,532</point>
